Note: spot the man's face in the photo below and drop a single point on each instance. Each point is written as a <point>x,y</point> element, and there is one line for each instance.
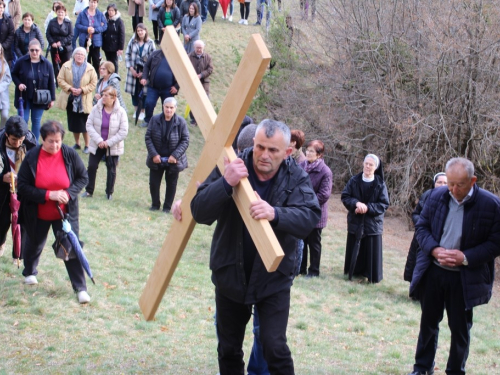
<point>459,184</point>
<point>198,48</point>
<point>14,142</point>
<point>169,110</point>
<point>269,153</point>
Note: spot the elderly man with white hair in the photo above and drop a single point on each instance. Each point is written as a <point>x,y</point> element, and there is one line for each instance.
<point>202,63</point>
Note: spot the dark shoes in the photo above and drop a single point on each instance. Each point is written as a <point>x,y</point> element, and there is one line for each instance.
<point>76,147</point>
<point>86,195</point>
<point>86,150</point>
<point>153,208</point>
<point>166,210</point>
<point>430,372</point>
<point>311,275</point>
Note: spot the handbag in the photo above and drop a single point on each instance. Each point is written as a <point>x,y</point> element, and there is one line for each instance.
<point>62,246</point>
<point>41,97</point>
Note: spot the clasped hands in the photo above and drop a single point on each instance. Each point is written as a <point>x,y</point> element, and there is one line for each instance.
<point>361,208</point>
<point>59,196</point>
<point>236,170</point>
<point>448,257</point>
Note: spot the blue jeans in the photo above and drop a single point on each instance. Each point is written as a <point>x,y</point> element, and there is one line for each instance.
<point>257,365</point>
<point>152,98</point>
<point>204,10</point>
<point>261,7</point>
<point>36,118</point>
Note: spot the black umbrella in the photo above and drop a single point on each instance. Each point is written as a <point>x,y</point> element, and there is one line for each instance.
<point>355,250</point>
<point>213,5</point>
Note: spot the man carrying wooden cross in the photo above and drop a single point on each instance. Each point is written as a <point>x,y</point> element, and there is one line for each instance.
<point>287,201</point>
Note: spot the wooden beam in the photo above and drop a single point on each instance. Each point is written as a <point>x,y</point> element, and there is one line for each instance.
<point>219,135</point>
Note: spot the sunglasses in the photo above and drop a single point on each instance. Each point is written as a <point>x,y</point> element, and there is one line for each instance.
<point>34,50</point>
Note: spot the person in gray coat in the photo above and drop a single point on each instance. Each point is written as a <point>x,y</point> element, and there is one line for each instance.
<point>167,139</point>
<point>191,27</point>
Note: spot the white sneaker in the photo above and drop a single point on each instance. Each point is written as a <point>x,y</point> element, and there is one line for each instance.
<point>245,22</point>
<point>30,280</point>
<point>241,21</point>
<point>230,18</point>
<point>83,297</point>
<point>142,115</point>
<point>223,17</point>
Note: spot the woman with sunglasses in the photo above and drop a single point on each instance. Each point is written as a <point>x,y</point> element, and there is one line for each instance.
<point>33,72</point>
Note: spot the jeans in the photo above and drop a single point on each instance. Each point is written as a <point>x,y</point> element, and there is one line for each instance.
<point>204,10</point>
<point>36,117</point>
<point>257,365</point>
<point>171,177</point>
<point>152,99</point>
<point>261,5</point>
<point>94,165</point>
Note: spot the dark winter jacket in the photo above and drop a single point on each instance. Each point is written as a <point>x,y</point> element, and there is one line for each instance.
<point>7,33</point>
<point>377,205</point>
<point>178,140</point>
<point>176,17</point>
<point>480,241</point>
<point>151,67</point>
<point>82,25</point>
<point>298,212</point>
<point>45,79</point>
<point>60,33</point>
<point>20,47</point>
<point>28,143</point>
<point>411,259</point>
<point>321,180</point>
<point>114,36</point>
<point>32,196</point>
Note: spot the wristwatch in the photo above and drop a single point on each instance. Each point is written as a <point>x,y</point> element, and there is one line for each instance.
<point>465,262</point>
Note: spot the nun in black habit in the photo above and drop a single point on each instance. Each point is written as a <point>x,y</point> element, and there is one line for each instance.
<point>365,197</point>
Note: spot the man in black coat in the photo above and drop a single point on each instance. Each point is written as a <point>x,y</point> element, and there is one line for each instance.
<point>459,236</point>
<point>15,141</point>
<point>167,139</point>
<point>286,199</point>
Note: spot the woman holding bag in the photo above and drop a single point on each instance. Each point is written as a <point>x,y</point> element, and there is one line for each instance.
<point>107,127</point>
<point>33,76</point>
<point>59,178</point>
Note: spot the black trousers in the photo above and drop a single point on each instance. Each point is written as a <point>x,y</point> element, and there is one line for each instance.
<point>442,289</point>
<point>5,216</point>
<point>155,177</point>
<point>232,318</point>
<point>94,165</point>
<point>312,244</point>
<point>34,248</point>
<point>64,55</point>
<point>112,56</point>
<point>155,28</point>
<point>136,21</point>
<point>94,57</point>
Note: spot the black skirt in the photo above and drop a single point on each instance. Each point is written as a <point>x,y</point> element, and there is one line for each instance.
<point>369,261</point>
<point>77,122</point>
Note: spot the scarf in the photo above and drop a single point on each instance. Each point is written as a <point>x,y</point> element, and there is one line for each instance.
<point>78,72</point>
<point>311,166</point>
<point>20,153</point>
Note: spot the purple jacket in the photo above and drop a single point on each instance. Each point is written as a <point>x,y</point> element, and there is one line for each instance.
<point>321,179</point>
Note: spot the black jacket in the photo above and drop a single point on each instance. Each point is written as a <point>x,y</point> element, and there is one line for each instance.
<point>411,259</point>
<point>31,196</point>
<point>7,33</point>
<point>480,241</point>
<point>60,33</point>
<point>176,17</point>
<point>114,36</point>
<point>28,143</point>
<point>19,45</point>
<point>298,212</point>
<point>151,67</point>
<point>178,140</point>
<point>45,79</point>
<point>377,205</point>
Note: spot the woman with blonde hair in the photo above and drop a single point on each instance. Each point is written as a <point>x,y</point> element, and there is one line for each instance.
<point>107,127</point>
<point>108,79</point>
<point>5,80</point>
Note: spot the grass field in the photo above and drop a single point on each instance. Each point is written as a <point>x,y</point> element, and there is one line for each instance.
<point>335,326</point>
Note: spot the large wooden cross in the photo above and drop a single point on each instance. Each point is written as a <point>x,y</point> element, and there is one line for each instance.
<point>219,133</point>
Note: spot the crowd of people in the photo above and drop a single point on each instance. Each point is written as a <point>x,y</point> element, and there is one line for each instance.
<point>448,267</point>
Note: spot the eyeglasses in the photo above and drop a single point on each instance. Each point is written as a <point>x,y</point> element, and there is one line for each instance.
<point>34,50</point>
